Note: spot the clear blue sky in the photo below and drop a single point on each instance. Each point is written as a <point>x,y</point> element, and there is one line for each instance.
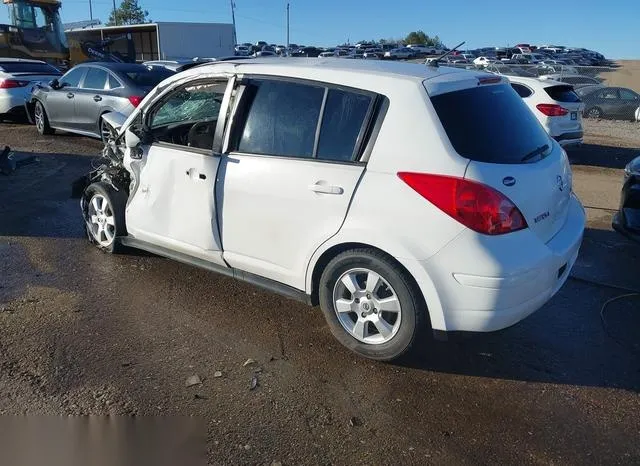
<point>608,26</point>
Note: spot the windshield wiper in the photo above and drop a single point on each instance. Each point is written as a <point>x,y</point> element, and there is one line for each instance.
<point>538,151</point>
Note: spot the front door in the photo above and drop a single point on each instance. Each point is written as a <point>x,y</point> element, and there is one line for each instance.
<point>289,174</point>
<point>173,201</point>
<point>61,103</point>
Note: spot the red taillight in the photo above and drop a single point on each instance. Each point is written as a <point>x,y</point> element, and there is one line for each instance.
<point>135,100</point>
<point>12,83</point>
<point>552,109</point>
<point>475,205</point>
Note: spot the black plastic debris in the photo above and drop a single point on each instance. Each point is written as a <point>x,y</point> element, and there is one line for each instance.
<point>9,162</point>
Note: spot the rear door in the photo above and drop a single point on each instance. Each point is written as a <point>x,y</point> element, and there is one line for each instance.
<point>89,99</point>
<point>289,173</point>
<point>519,160</point>
<point>630,103</point>
<point>609,101</point>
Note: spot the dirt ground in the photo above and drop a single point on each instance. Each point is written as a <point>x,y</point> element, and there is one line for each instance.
<point>82,332</point>
<point>627,75</point>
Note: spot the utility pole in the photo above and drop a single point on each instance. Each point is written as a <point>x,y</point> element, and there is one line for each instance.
<point>90,11</point>
<point>115,15</point>
<point>233,20</point>
<point>288,26</point>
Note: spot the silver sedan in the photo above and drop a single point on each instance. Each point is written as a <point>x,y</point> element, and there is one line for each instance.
<point>77,101</point>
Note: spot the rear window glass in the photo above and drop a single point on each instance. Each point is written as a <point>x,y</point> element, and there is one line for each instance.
<point>18,67</point>
<point>282,119</point>
<point>523,91</point>
<point>95,79</point>
<point>343,118</point>
<point>490,123</point>
<point>149,77</point>
<point>562,93</point>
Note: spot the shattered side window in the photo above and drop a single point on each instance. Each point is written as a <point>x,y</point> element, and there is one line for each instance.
<point>195,103</point>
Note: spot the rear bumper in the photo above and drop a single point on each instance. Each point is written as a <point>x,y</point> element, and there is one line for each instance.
<point>487,283</point>
<point>568,139</point>
<point>11,103</point>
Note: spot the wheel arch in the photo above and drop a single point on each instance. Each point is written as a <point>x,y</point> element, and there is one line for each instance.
<point>334,250</point>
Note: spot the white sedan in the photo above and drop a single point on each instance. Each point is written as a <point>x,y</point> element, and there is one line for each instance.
<point>17,77</point>
<point>483,61</point>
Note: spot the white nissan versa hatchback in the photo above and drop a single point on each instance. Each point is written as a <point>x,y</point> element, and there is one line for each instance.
<point>399,197</point>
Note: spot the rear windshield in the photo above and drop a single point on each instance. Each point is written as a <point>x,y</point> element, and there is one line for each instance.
<point>562,93</point>
<point>149,77</point>
<point>490,123</point>
<point>22,67</point>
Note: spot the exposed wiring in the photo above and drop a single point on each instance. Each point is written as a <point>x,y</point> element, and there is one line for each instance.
<point>631,347</point>
<point>629,293</point>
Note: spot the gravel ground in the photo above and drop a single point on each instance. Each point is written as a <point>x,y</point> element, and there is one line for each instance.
<point>82,332</point>
<point>612,133</point>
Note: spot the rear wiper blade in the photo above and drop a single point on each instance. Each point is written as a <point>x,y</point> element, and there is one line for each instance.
<point>538,151</point>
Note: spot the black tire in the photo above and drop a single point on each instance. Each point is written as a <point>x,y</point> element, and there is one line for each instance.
<point>414,323</point>
<point>594,112</point>
<point>42,125</point>
<point>117,201</point>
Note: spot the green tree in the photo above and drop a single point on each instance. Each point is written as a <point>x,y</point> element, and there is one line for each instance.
<point>129,12</point>
<point>419,37</point>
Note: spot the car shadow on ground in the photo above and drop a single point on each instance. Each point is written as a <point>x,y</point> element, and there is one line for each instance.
<point>42,190</point>
<point>566,342</point>
<point>586,335</point>
<point>601,156</point>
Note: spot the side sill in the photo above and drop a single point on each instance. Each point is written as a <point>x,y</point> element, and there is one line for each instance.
<point>257,280</point>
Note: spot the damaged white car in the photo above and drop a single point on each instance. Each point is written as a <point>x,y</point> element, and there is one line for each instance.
<point>383,192</point>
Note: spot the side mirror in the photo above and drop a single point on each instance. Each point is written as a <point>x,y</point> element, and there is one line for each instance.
<point>131,140</point>
<point>54,84</point>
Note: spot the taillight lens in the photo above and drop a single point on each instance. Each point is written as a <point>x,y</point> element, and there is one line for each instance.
<point>552,109</point>
<point>135,100</point>
<point>12,83</point>
<point>475,205</point>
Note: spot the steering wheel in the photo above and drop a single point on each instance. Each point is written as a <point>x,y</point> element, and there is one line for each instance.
<point>201,131</point>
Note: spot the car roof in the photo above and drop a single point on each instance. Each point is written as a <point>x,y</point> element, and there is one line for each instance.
<point>315,67</point>
<point>123,67</point>
<point>535,82</point>
<point>591,88</point>
<point>20,60</point>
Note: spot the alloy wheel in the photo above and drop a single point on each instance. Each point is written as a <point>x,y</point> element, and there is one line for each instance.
<point>367,306</point>
<point>102,222</point>
<point>39,117</point>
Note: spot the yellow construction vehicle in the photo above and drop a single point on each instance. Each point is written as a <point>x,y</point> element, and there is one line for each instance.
<point>33,29</point>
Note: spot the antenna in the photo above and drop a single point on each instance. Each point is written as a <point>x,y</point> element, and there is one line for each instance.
<point>233,20</point>
<point>435,61</point>
<point>287,27</point>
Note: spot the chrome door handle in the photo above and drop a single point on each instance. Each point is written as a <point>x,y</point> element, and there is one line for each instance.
<point>97,98</point>
<point>325,189</point>
<point>70,95</point>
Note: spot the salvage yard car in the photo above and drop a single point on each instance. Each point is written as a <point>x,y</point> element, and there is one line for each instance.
<point>556,106</point>
<point>627,219</point>
<point>77,101</point>
<point>384,192</point>
<point>17,77</point>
